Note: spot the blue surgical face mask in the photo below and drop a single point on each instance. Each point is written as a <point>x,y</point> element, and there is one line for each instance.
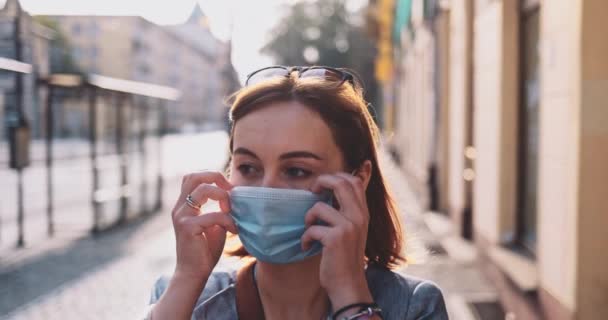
<point>271,222</point>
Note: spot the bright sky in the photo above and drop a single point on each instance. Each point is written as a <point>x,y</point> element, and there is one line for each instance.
<point>252,20</point>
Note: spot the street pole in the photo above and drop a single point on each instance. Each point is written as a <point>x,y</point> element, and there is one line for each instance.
<point>93,156</point>
<point>120,150</point>
<point>20,114</point>
<point>49,161</point>
<point>162,119</point>
<point>143,116</point>
<point>20,209</point>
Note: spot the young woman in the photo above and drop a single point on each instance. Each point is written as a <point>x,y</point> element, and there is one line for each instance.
<point>308,200</point>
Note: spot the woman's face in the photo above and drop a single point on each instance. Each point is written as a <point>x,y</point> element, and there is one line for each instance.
<point>283,145</point>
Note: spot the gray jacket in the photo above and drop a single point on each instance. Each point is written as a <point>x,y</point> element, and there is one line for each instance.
<point>399,297</point>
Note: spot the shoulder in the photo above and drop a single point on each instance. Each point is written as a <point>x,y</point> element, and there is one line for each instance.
<point>405,297</point>
<point>218,281</point>
<point>216,301</point>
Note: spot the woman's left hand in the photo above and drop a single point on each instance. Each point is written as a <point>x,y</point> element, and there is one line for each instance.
<point>342,270</point>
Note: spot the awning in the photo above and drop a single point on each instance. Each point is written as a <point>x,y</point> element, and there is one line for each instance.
<point>113,84</point>
<point>14,65</point>
<point>403,14</point>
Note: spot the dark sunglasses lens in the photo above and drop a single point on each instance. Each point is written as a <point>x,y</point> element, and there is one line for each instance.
<point>266,74</point>
<point>325,74</point>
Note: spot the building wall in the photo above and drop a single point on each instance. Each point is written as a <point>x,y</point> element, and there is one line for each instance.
<point>592,273</point>
<point>442,82</point>
<point>574,149</point>
<point>101,44</point>
<point>414,128</point>
<point>113,42</point>
<point>495,124</point>
<point>40,48</point>
<point>568,267</point>
<point>459,103</point>
<point>136,49</point>
<point>559,149</point>
<point>414,131</point>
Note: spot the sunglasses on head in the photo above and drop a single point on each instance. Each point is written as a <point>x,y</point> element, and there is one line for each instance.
<point>336,75</point>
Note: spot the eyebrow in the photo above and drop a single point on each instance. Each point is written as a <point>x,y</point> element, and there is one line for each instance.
<point>246,152</point>
<point>299,154</point>
<point>288,155</point>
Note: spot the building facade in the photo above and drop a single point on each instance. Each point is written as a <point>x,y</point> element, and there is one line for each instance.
<point>186,57</point>
<point>501,118</point>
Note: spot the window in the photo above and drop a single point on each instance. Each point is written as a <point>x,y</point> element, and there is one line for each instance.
<point>94,28</point>
<point>77,53</point>
<point>94,52</point>
<point>76,28</point>
<point>529,124</point>
<point>143,70</point>
<point>137,44</point>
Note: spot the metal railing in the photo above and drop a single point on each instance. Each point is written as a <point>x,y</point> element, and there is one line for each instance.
<point>13,121</point>
<point>118,114</point>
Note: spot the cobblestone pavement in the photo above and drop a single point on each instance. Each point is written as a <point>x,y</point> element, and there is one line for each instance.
<point>104,277</point>
<point>110,276</point>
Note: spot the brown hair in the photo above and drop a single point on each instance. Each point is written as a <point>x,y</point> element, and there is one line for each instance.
<point>345,111</point>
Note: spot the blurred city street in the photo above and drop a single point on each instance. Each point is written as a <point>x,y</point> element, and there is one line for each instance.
<point>71,277</point>
<point>492,116</point>
<point>72,183</point>
<point>110,276</point>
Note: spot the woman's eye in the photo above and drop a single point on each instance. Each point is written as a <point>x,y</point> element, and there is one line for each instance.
<point>295,172</point>
<point>246,170</point>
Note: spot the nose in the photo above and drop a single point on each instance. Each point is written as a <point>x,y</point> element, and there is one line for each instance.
<point>273,180</point>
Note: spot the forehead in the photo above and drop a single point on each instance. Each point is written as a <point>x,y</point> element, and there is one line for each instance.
<point>283,127</point>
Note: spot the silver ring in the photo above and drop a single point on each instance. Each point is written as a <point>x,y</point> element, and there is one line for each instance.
<point>192,203</point>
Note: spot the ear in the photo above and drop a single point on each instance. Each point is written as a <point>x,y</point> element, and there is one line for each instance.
<point>365,172</point>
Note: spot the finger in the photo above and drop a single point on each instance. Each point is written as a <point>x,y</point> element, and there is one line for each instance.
<point>357,184</point>
<point>324,212</point>
<point>196,225</point>
<point>192,180</point>
<point>204,192</point>
<point>343,190</point>
<point>315,233</point>
<point>359,187</point>
<point>216,232</point>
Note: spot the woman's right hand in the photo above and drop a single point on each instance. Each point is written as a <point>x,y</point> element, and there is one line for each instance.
<point>200,237</point>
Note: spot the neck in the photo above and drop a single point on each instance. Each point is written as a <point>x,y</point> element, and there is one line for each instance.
<point>292,291</point>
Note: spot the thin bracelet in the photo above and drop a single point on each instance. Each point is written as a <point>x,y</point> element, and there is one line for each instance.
<point>350,306</point>
<point>366,313</point>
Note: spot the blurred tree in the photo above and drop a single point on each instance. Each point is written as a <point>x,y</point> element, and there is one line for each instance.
<point>325,32</point>
<point>62,60</point>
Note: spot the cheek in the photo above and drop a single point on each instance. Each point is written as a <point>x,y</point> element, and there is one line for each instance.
<point>233,181</point>
<point>237,181</point>
<point>304,185</point>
